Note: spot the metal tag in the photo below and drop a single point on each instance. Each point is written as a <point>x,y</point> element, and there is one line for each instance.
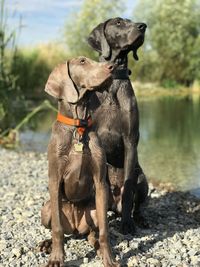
<point>78,147</point>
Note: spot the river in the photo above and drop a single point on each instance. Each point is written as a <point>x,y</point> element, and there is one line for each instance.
<point>169,148</point>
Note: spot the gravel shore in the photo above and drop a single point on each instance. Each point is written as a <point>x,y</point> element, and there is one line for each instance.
<point>173,238</point>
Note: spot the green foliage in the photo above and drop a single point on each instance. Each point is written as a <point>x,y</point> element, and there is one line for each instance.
<point>146,68</point>
<point>174,38</point>
<point>33,67</point>
<point>10,94</point>
<point>78,26</point>
<point>169,84</point>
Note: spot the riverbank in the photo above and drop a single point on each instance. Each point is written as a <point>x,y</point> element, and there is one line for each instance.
<point>155,90</point>
<point>173,238</point>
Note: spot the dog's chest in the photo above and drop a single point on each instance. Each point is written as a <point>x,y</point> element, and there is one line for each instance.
<point>108,120</point>
<point>78,180</point>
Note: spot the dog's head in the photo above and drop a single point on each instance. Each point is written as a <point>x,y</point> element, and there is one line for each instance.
<point>70,81</point>
<point>117,35</point>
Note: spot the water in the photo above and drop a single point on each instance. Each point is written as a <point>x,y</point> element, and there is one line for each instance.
<point>169,148</point>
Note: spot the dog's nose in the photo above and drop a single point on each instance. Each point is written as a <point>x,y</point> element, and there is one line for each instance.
<point>110,67</point>
<point>141,27</point>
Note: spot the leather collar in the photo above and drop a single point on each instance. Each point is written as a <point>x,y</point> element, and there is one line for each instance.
<point>81,124</point>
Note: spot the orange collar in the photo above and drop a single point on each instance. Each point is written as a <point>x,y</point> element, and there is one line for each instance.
<point>79,123</point>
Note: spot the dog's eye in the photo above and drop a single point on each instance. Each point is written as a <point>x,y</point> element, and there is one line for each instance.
<point>82,60</point>
<point>118,23</point>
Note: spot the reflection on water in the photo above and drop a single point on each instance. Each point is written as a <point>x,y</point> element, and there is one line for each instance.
<point>38,139</point>
<point>170,141</point>
<point>169,148</point>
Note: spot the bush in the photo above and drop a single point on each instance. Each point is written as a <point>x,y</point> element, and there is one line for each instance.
<point>33,66</point>
<point>11,98</point>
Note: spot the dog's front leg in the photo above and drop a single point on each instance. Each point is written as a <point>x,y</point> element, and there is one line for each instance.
<point>130,184</point>
<point>101,198</point>
<point>57,254</point>
<point>101,207</point>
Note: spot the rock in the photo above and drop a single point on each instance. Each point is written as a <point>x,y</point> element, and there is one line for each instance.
<point>17,252</point>
<point>192,252</point>
<point>85,260</point>
<point>153,262</point>
<point>133,261</point>
<point>195,260</point>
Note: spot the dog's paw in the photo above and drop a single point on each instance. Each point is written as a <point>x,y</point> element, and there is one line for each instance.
<point>127,227</point>
<point>56,260</point>
<point>110,262</point>
<point>55,263</point>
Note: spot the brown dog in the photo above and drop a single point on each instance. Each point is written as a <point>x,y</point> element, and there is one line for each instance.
<point>77,164</point>
<point>76,218</point>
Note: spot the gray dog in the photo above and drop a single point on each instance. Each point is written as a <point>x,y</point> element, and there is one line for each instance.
<point>115,114</point>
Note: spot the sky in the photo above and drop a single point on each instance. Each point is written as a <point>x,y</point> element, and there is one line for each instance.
<point>43,20</point>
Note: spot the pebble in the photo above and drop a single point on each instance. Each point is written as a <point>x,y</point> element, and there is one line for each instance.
<point>173,238</point>
<point>153,262</point>
<point>85,260</point>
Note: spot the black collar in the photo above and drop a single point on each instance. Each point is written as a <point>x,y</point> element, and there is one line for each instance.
<point>121,74</point>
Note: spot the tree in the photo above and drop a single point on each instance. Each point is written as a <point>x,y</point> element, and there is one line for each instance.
<point>174,37</point>
<point>78,26</point>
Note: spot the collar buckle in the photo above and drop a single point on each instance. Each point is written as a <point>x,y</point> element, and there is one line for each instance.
<point>83,123</point>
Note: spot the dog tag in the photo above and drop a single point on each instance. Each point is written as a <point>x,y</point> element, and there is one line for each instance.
<point>78,147</point>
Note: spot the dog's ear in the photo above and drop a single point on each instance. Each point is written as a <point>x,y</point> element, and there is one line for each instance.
<point>97,40</point>
<point>135,56</point>
<point>60,85</point>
